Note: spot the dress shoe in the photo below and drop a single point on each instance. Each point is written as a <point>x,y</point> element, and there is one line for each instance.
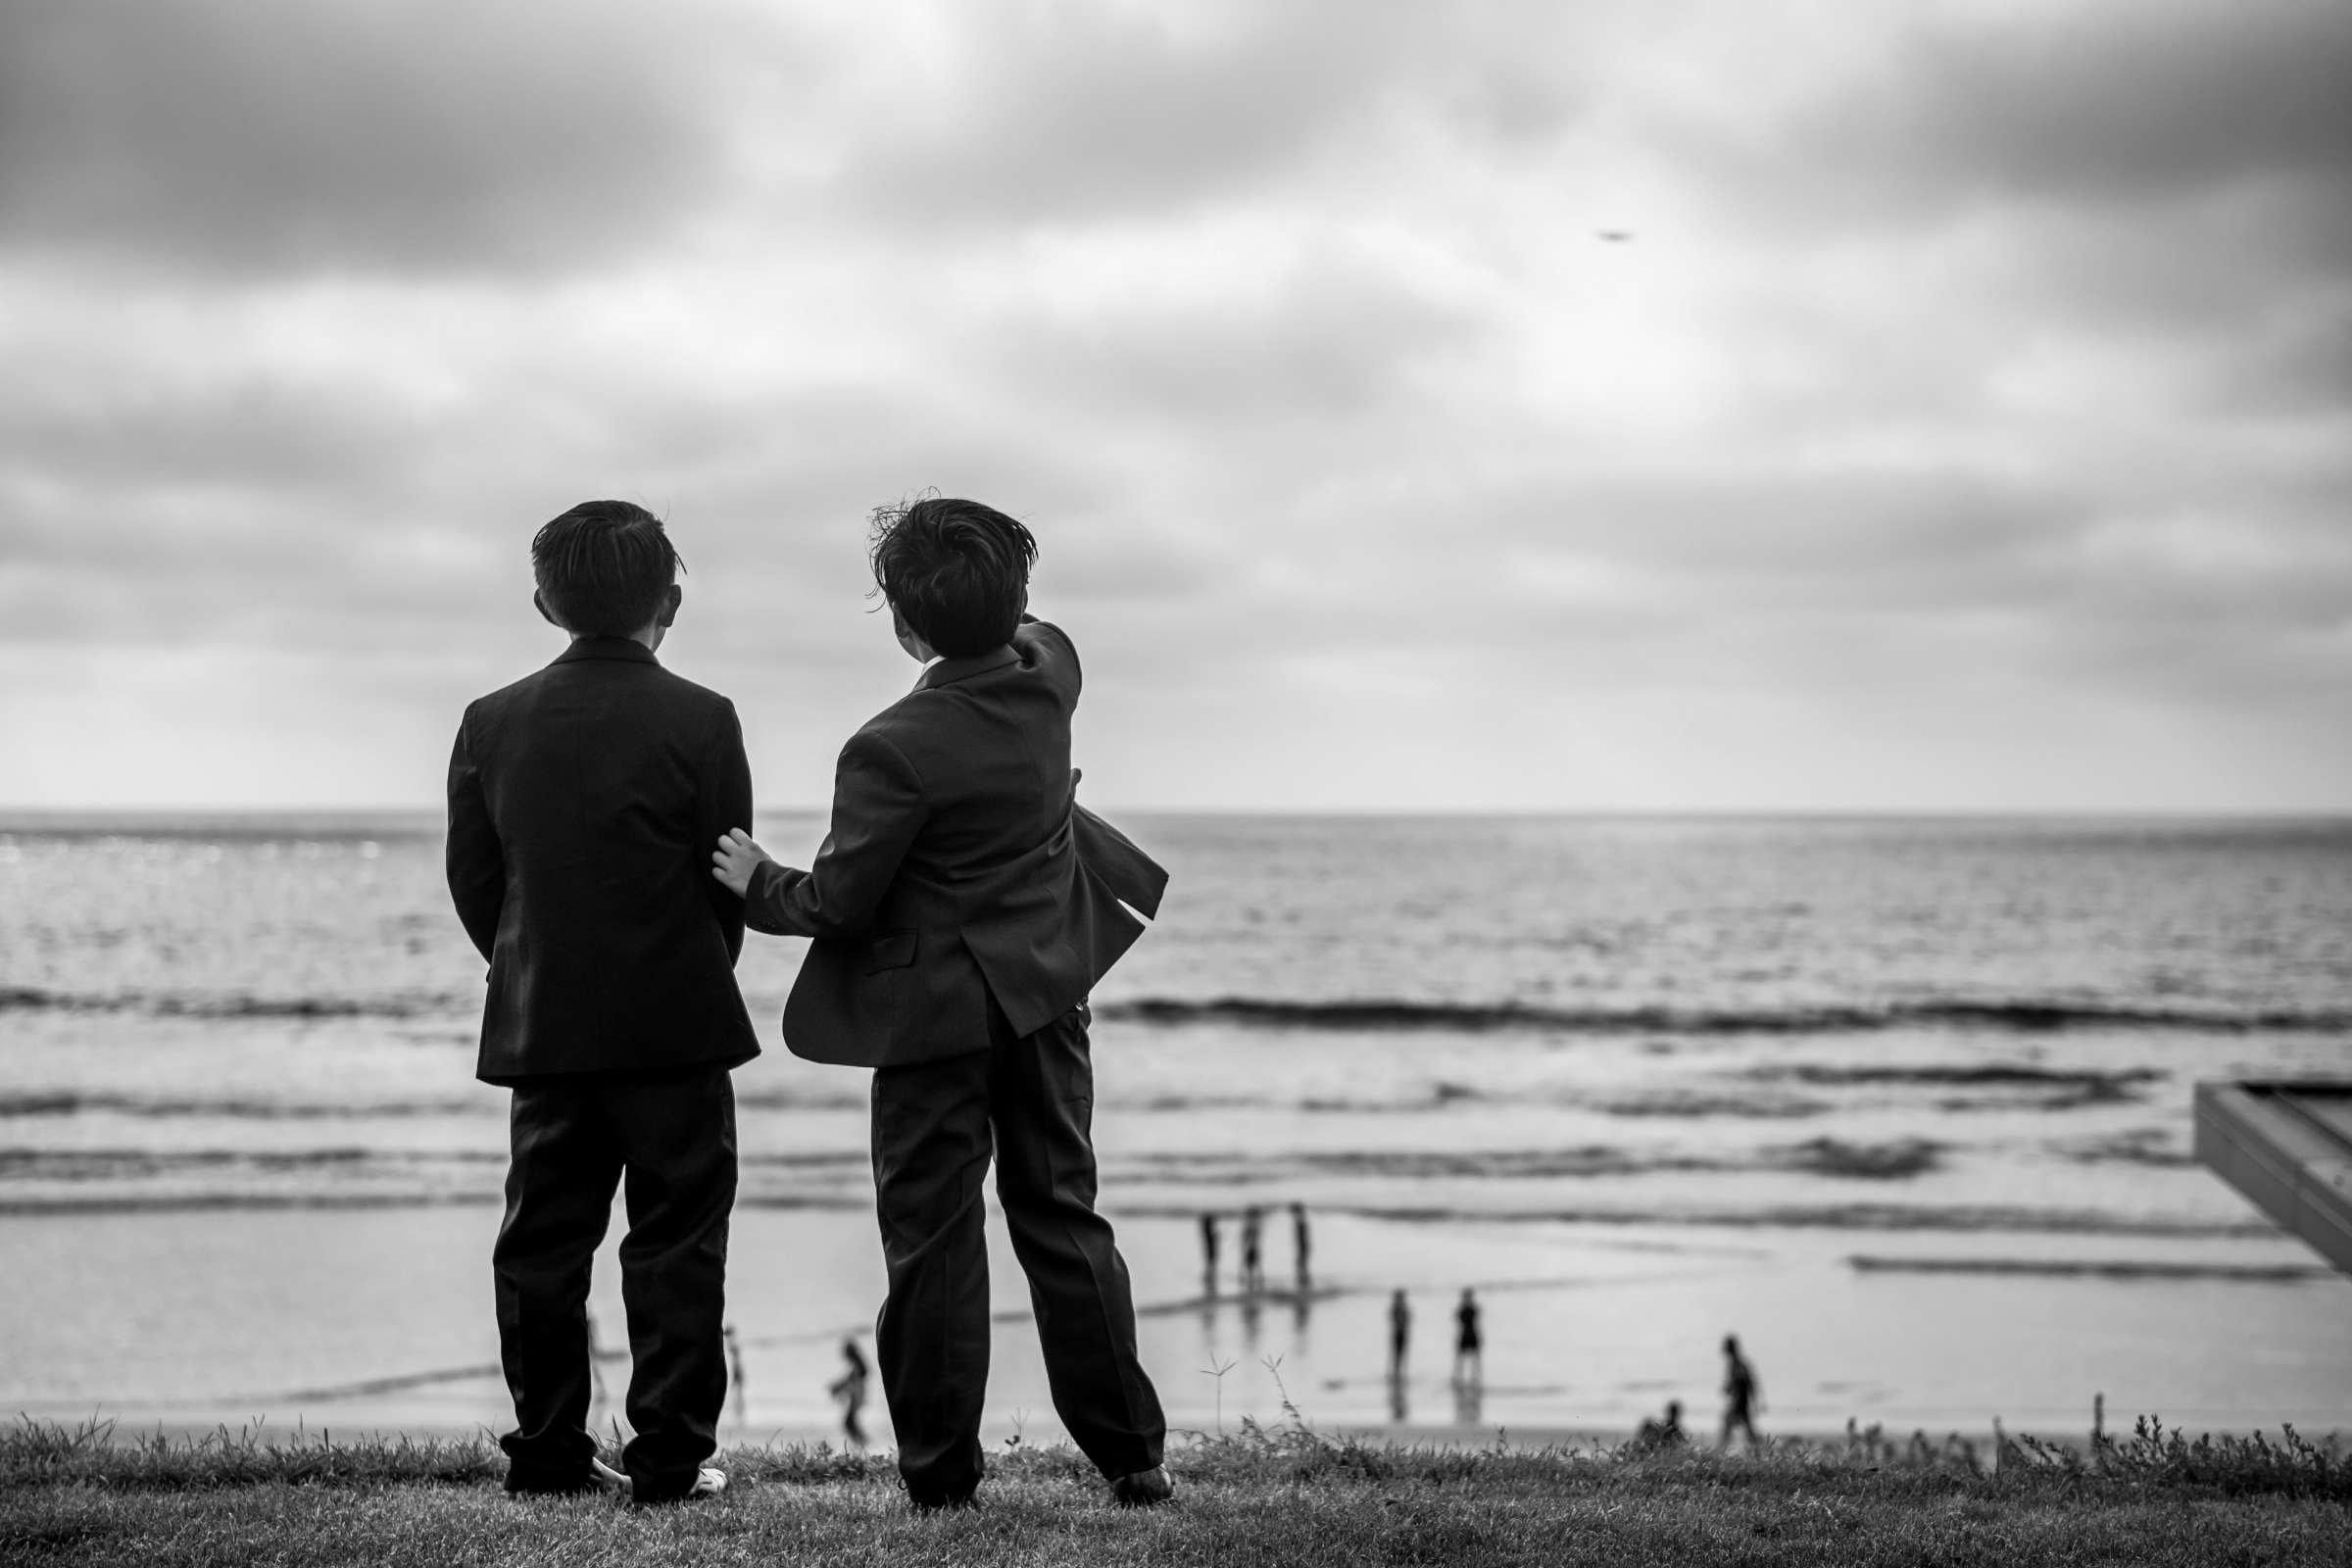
<point>1146,1489</point>
<point>707,1483</point>
<point>521,1482</point>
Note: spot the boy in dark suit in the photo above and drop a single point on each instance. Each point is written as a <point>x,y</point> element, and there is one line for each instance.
<point>962,905</point>
<point>580,800</point>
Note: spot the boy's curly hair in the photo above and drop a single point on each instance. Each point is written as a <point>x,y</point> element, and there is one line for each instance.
<point>957,570</point>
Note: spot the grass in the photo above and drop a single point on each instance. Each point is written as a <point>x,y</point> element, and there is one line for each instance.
<point>1280,1496</point>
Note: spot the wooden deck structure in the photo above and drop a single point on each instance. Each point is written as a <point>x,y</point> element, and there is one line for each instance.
<point>2288,1147</point>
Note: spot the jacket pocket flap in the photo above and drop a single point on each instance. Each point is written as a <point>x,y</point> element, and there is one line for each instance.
<point>892,950</point>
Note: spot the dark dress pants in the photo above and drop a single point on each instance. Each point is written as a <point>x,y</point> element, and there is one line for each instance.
<point>1031,1096</point>
<point>575,1136</point>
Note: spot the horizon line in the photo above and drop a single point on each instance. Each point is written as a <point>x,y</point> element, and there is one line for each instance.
<point>259,812</point>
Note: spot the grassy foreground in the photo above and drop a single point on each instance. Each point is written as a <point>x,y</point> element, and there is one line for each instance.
<point>1287,1496</point>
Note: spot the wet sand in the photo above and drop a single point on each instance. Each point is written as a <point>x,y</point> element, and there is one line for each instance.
<point>380,1319</point>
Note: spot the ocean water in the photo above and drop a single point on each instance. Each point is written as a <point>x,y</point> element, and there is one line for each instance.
<point>1934,1057</point>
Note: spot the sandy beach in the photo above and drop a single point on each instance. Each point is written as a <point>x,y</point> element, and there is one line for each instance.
<point>1638,1083</point>
<point>149,1320</point>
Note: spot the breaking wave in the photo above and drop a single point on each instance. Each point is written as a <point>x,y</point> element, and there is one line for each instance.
<point>1876,1217</point>
<point>2020,1015</point>
<point>238,1004</point>
<point>478,1103</point>
<point>2052,1088</point>
<point>239,1108</point>
<point>2096,1268</point>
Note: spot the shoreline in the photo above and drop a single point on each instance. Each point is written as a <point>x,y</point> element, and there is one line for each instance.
<point>387,1326</point>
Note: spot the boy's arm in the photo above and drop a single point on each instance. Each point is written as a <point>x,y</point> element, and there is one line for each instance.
<point>722,798</point>
<point>474,861</point>
<point>1049,647</point>
<point>877,810</point>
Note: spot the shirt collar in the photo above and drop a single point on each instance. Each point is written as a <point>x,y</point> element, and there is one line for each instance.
<point>963,667</point>
<point>629,649</point>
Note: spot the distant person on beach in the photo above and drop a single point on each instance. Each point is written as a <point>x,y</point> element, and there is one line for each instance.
<point>1400,1334</point>
<point>742,1390</point>
<point>963,906</point>
<point>1743,1397</point>
<point>1469,1347</point>
<point>1301,1247</point>
<point>1662,1431</point>
<point>1208,1254</point>
<point>849,1389</point>
<point>1253,1262</point>
<point>581,802</point>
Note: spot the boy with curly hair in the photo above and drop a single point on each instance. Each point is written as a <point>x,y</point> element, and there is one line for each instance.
<point>961,908</point>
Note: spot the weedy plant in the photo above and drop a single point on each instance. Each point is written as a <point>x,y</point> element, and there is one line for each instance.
<point>1289,1450</point>
<point>39,1452</point>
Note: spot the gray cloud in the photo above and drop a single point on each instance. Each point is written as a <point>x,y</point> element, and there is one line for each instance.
<point>1325,334</point>
<point>2121,103</point>
<point>2108,105</point>
<point>1089,109</point>
<point>2297,366</point>
<point>2169,182</point>
<point>254,432</point>
<point>279,136</point>
<point>1946,387</point>
<point>1032,113</point>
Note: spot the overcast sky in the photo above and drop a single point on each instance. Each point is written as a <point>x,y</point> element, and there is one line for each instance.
<point>1965,419</point>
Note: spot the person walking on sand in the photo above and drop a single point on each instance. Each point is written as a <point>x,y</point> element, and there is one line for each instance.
<point>849,1389</point>
<point>1743,1396</point>
<point>1469,1353</point>
<point>581,802</point>
<point>1302,1248</point>
<point>1400,1334</point>
<point>1253,1266</point>
<point>961,906</point>
<point>1208,1254</point>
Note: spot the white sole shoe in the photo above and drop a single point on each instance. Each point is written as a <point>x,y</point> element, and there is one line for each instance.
<point>707,1482</point>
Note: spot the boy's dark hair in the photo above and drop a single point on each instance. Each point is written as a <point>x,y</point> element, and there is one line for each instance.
<point>957,570</point>
<point>604,567</point>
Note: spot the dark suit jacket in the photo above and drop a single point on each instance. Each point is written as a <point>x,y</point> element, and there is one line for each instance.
<point>583,801</point>
<point>960,866</point>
